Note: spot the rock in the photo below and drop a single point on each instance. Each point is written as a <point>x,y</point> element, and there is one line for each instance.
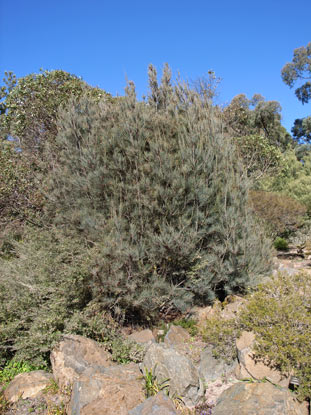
<point>249,367</point>
<point>179,339</point>
<point>74,355</point>
<point>287,270</point>
<point>176,335</point>
<point>142,337</point>
<point>257,399</point>
<point>167,363</point>
<point>201,314</point>
<point>211,369</point>
<point>27,385</point>
<point>156,405</point>
<point>105,391</point>
<point>215,389</point>
<point>234,305</point>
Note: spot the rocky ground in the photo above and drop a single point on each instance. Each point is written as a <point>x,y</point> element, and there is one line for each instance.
<point>86,381</point>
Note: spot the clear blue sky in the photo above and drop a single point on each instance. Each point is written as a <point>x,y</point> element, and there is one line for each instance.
<point>246,42</point>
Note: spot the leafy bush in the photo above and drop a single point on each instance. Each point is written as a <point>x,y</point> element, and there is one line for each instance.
<point>280,244</point>
<point>13,368</point>
<point>46,290</point>
<point>221,334</point>
<point>20,198</point>
<point>155,186</point>
<point>278,312</point>
<point>258,155</point>
<point>293,178</point>
<point>189,324</point>
<point>281,214</point>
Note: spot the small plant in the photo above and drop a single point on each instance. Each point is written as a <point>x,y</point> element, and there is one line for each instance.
<point>52,387</point>
<point>4,404</point>
<point>280,244</point>
<point>125,351</point>
<point>152,386</point>
<point>162,332</point>
<point>14,368</point>
<point>57,410</point>
<point>188,324</point>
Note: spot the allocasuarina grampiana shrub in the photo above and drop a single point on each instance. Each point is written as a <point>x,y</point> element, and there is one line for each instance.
<point>158,190</point>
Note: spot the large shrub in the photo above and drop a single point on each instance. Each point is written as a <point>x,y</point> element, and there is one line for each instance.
<point>158,190</point>
<point>281,214</point>
<point>293,177</point>
<point>20,198</point>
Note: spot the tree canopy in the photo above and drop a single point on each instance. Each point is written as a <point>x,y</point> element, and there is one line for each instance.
<point>29,106</point>
<point>256,116</point>
<point>300,70</point>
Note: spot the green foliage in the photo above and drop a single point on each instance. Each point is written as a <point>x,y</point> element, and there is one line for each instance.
<point>302,129</point>
<point>125,351</point>
<point>156,187</point>
<point>259,156</point>
<point>30,105</point>
<point>293,178</point>
<point>41,288</point>
<point>221,334</point>
<point>278,312</point>
<point>189,324</point>
<point>152,386</point>
<point>20,198</point>
<point>280,244</point>
<point>13,368</point>
<point>297,70</point>
<point>245,117</point>
<point>281,214</point>
<point>46,290</point>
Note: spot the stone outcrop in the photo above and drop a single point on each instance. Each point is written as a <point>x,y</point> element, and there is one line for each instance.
<point>257,399</point>
<point>176,336</point>
<point>100,387</point>
<point>251,368</point>
<point>156,405</point>
<point>106,391</point>
<point>27,385</point>
<point>142,336</point>
<point>74,355</point>
<point>167,363</point>
<point>211,369</point>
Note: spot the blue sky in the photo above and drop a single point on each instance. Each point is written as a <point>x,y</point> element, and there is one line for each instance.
<point>246,43</point>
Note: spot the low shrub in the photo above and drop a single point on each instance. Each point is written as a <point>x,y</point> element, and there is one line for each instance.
<point>221,334</point>
<point>280,244</point>
<point>279,315</point>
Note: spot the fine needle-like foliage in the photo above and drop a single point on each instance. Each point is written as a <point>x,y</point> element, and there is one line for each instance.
<point>157,190</point>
